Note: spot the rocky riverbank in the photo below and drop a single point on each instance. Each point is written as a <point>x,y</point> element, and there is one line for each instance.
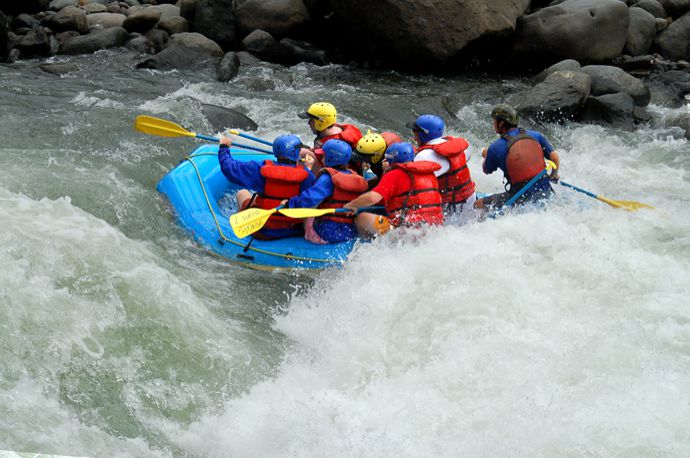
<point>605,60</point>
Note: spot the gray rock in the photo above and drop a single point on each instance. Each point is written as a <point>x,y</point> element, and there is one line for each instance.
<point>584,30</point>
<point>222,118</point>
<point>560,96</point>
<point>610,80</point>
<point>157,38</point>
<point>247,58</point>
<point>57,5</point>
<point>92,8</point>
<point>302,51</point>
<point>166,10</point>
<point>104,20</point>
<point>185,50</point>
<point>64,36</point>
<point>614,109</point>
<point>173,24</point>
<point>564,65</point>
<point>25,21</point>
<point>661,24</point>
<point>653,7</point>
<point>69,18</point>
<point>673,41</point>
<point>418,33</point>
<point>117,8</point>
<point>58,68</point>
<point>641,32</point>
<point>228,68</point>
<point>677,81</point>
<point>277,17</point>
<point>675,8</point>
<point>140,44</point>
<point>206,21</point>
<point>36,42</point>
<point>263,45</point>
<point>14,55</point>
<point>142,20</point>
<point>96,40</point>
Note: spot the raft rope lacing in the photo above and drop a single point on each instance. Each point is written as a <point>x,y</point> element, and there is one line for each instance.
<point>226,239</point>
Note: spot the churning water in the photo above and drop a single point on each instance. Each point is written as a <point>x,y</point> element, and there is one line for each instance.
<point>561,331</point>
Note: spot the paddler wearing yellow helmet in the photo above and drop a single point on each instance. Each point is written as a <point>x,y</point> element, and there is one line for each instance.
<point>323,122</point>
<point>370,149</point>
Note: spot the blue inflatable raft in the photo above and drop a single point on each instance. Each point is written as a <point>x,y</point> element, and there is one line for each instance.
<point>202,200</point>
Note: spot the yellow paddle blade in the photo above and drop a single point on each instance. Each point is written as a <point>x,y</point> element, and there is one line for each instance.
<point>161,127</point>
<point>306,212</point>
<point>628,205</point>
<point>248,221</point>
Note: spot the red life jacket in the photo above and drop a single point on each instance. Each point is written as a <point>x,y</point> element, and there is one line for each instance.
<point>456,185</point>
<point>422,202</point>
<point>346,187</point>
<point>349,134</point>
<point>282,182</point>
<point>525,158</point>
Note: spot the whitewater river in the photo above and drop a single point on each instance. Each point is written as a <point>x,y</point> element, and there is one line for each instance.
<point>557,332</point>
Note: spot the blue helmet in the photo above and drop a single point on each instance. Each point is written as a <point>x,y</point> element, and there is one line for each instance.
<point>336,152</point>
<point>428,127</point>
<point>400,152</point>
<point>287,146</point>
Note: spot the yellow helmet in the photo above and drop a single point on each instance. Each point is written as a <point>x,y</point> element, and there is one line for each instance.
<point>323,114</point>
<point>371,148</point>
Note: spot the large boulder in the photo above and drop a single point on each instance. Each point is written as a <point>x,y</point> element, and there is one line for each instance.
<point>69,18</point>
<point>675,8</point>
<point>418,33</point>
<point>173,25</point>
<point>610,80</point>
<point>166,10</point>
<point>104,20</point>
<point>614,109</point>
<point>98,39</point>
<point>564,65</point>
<point>215,20</point>
<point>222,118</point>
<point>672,86</point>
<point>184,50</point>
<point>58,68</point>
<point>641,32</point>
<point>263,45</point>
<point>302,51</point>
<point>560,96</point>
<point>57,5</point>
<point>585,30</point>
<point>142,20</point>
<point>37,42</point>
<point>674,41</point>
<point>277,17</point>
<point>228,68</point>
<point>653,7</point>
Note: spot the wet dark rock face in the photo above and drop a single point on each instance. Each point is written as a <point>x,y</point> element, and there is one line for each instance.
<point>601,56</point>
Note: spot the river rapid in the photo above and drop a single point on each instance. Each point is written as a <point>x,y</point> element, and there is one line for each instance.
<point>562,331</point>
